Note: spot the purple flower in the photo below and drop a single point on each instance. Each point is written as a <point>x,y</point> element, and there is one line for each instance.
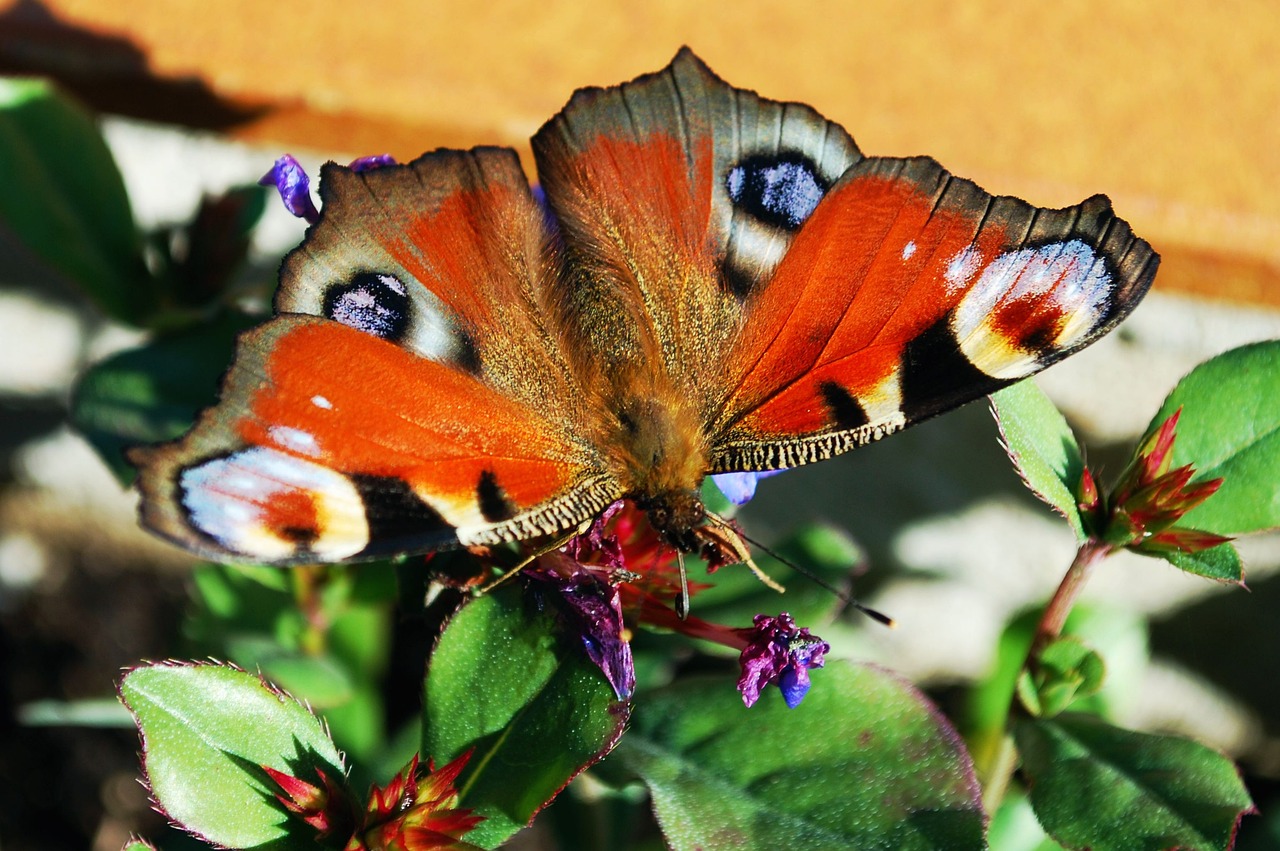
<point>597,608</point>
<point>739,488</point>
<point>779,652</point>
<point>291,181</point>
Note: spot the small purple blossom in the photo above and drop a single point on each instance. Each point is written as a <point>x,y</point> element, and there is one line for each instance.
<point>779,652</point>
<point>739,488</point>
<point>597,608</point>
<point>291,181</point>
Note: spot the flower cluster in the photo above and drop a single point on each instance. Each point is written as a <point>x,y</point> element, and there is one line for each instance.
<point>416,811</point>
<point>1148,501</point>
<point>620,572</point>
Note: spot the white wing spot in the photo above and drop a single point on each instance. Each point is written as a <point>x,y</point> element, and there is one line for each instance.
<point>908,250</point>
<point>321,402</point>
<point>295,439</point>
<point>962,267</point>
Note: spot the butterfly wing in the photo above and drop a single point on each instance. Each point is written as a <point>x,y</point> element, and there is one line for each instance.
<point>412,393</point>
<point>805,300</point>
<point>909,292</point>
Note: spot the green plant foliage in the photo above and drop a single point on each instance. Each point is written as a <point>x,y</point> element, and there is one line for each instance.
<point>1065,670</point>
<point>1221,563</point>
<point>63,199</point>
<point>206,730</point>
<point>506,683</point>
<point>738,595</point>
<point>864,762</point>
<point>153,393</point>
<point>1230,428</point>
<point>1100,787</point>
<point>1042,447</point>
<point>332,654</point>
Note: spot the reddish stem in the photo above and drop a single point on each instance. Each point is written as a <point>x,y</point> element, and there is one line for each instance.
<point>1055,614</point>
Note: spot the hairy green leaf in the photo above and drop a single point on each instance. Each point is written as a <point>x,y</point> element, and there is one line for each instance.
<point>1042,447</point>
<point>1100,787</point>
<point>206,730</point>
<point>506,683</point>
<point>1230,428</point>
<point>865,762</point>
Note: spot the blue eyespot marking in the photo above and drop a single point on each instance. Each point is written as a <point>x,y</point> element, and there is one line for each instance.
<point>373,303</point>
<point>781,190</point>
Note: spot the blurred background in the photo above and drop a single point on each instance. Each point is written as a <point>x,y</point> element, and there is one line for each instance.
<point>1175,116</point>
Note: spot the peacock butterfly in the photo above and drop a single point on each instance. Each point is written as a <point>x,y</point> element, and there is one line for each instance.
<point>714,282</point>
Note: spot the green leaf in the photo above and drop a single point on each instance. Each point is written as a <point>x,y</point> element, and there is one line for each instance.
<point>1221,562</point>
<point>1118,635</point>
<point>504,682</point>
<point>1042,447</point>
<point>1230,428</point>
<point>1014,826</point>
<point>1100,787</point>
<point>64,200</point>
<point>206,729</point>
<point>153,393</point>
<point>1065,671</point>
<point>865,762</point>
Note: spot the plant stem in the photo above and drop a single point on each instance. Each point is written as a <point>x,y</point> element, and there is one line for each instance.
<point>1004,760</point>
<point>1055,614</point>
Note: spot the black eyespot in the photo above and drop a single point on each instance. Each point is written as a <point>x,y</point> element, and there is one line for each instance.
<point>780,190</point>
<point>373,303</point>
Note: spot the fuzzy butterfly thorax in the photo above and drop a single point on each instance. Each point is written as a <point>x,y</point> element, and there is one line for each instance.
<point>715,282</point>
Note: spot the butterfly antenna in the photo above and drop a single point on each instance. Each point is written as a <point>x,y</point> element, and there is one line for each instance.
<point>879,617</point>
<point>682,599</point>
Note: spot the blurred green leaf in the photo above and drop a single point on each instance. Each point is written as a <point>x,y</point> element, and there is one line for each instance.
<point>206,729</point>
<point>102,712</point>
<point>153,393</point>
<point>1118,635</point>
<point>1230,428</point>
<point>865,762</point>
<point>64,200</point>
<point>1100,787</point>
<point>1014,826</point>
<point>504,682</point>
<point>1065,670</point>
<point>737,595</point>
<point>135,844</point>
<point>1042,447</point>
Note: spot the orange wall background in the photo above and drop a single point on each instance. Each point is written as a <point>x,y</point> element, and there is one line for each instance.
<point>1173,111</point>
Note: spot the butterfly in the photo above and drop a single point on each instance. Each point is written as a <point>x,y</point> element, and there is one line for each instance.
<point>706,282</point>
